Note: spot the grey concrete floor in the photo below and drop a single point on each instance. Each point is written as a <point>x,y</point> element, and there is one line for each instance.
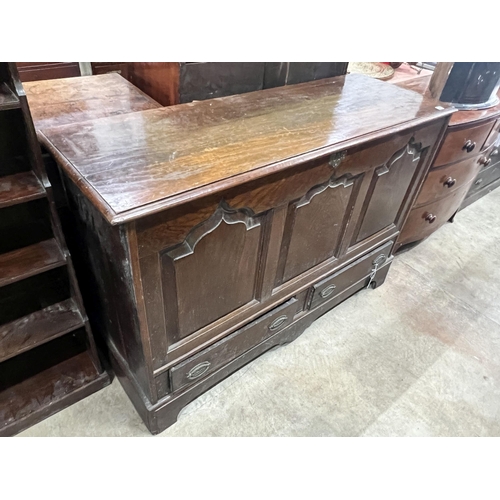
<point>419,356</point>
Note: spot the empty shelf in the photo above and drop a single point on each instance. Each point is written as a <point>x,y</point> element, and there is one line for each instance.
<point>8,100</point>
<point>20,188</point>
<point>28,261</point>
<point>39,327</point>
<point>48,392</point>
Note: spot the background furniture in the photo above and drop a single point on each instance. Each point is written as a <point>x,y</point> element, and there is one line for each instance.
<point>466,166</point>
<point>48,359</point>
<point>206,244</point>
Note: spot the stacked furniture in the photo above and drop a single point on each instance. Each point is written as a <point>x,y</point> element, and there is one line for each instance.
<point>466,167</point>
<point>48,358</point>
<point>215,230</point>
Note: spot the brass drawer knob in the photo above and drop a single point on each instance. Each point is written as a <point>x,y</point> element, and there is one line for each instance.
<point>278,322</point>
<point>198,370</point>
<point>484,161</point>
<point>450,182</point>
<point>430,218</point>
<point>469,146</point>
<point>326,292</point>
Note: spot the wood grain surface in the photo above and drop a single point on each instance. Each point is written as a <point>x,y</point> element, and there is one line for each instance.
<point>152,158</point>
<point>72,100</point>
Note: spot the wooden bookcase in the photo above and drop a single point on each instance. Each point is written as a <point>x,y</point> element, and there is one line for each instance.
<point>48,358</point>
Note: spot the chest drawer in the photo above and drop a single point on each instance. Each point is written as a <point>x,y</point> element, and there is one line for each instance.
<point>462,143</point>
<point>493,136</point>
<point>340,281</point>
<point>443,181</point>
<point>229,348</point>
<point>423,221</point>
<point>485,177</point>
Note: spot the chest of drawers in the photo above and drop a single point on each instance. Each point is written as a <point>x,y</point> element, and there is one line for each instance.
<point>213,231</point>
<point>465,160</point>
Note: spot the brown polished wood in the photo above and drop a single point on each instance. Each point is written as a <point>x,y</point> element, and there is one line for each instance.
<point>468,150</point>
<point>172,151</point>
<point>211,231</point>
<point>73,100</point>
<point>48,358</point>
<point>32,71</point>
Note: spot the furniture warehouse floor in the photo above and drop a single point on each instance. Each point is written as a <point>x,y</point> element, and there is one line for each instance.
<point>419,356</point>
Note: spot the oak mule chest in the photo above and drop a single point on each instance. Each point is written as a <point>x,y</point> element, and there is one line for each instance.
<point>215,230</point>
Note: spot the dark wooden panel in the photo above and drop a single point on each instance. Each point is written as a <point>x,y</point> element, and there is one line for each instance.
<point>315,225</point>
<point>389,187</point>
<point>30,71</point>
<point>13,145</point>
<point>25,262</point>
<point>39,327</point>
<point>443,181</point>
<point>102,68</point>
<point>160,80</point>
<point>26,224</point>
<point>205,80</point>
<point>234,345</point>
<point>287,73</point>
<point>213,272</point>
<point>38,292</point>
<point>454,146</point>
<point>20,188</point>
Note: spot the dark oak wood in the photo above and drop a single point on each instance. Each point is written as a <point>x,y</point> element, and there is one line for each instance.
<point>197,225</point>
<point>176,148</point>
<point>39,327</point>
<point>48,357</point>
<point>69,100</point>
<point>32,71</point>
<point>20,188</point>
<point>28,261</point>
<point>55,382</point>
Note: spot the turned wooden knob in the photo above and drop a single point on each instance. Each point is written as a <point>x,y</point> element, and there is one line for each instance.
<point>484,161</point>
<point>469,146</point>
<point>430,218</point>
<point>450,182</point>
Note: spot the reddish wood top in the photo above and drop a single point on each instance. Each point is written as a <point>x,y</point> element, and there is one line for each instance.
<point>463,117</point>
<point>71,100</point>
<point>136,164</point>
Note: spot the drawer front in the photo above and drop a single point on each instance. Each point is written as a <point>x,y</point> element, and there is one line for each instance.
<point>340,281</point>
<point>493,136</point>
<point>423,221</point>
<point>229,348</point>
<point>463,143</point>
<point>441,182</point>
<point>485,177</point>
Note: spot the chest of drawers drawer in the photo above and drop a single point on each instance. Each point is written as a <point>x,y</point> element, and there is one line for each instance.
<point>229,348</point>
<point>463,143</point>
<point>441,182</point>
<point>485,177</point>
<point>424,220</point>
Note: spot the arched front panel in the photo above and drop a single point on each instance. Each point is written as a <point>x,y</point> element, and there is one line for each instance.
<point>212,272</point>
